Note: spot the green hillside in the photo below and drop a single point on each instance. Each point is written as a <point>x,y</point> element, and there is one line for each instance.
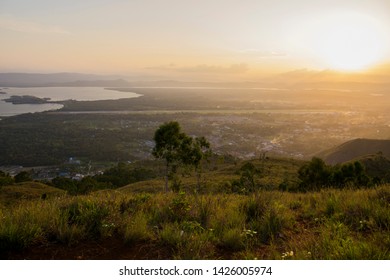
<point>354,149</point>
<point>224,219</point>
<point>221,177</point>
<point>27,191</point>
<point>376,166</point>
<point>326,225</point>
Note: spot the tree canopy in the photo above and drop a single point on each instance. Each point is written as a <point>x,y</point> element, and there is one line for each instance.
<point>315,175</point>
<point>176,147</point>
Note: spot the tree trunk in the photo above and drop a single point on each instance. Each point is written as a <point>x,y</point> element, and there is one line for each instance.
<point>166,177</point>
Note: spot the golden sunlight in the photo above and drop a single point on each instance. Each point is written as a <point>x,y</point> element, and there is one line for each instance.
<point>350,42</point>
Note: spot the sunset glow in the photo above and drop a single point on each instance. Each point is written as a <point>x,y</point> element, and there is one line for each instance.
<point>227,130</point>
<point>193,40</point>
<point>350,42</point>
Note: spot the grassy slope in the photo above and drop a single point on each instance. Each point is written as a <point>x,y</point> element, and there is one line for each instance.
<point>331,224</point>
<point>354,149</point>
<point>273,171</point>
<point>376,165</point>
<point>138,222</point>
<point>25,191</point>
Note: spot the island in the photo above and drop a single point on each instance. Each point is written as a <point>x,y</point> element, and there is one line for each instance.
<point>27,99</point>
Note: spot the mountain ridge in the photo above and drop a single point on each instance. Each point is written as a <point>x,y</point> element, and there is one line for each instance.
<point>39,79</point>
<point>355,149</point>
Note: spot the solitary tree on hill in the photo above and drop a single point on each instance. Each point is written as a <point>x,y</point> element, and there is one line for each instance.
<point>193,152</point>
<point>168,140</point>
<point>176,147</point>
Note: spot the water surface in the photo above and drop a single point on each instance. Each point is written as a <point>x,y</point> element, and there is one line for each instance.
<point>55,94</point>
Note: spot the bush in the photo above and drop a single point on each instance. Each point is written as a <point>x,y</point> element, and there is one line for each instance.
<point>87,214</point>
<point>23,176</point>
<point>124,174</point>
<point>5,179</point>
<point>254,208</point>
<point>179,207</point>
<point>136,228</point>
<point>232,240</point>
<point>21,227</point>
<point>316,175</point>
<point>133,204</point>
<point>17,236</point>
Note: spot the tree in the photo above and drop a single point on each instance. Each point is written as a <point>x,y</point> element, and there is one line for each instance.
<point>314,175</point>
<point>193,153</point>
<point>350,174</point>
<point>5,179</point>
<point>66,184</point>
<point>22,176</point>
<point>248,176</point>
<point>168,140</point>
<point>176,147</point>
<point>123,174</point>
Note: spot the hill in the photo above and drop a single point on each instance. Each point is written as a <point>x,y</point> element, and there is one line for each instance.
<point>140,221</point>
<point>58,79</point>
<point>224,177</point>
<point>27,190</point>
<point>376,166</point>
<point>354,149</point>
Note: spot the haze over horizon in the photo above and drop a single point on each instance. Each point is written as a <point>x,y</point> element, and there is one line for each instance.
<point>195,40</point>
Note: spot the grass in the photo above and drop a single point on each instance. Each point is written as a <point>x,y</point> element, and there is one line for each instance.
<point>330,224</point>
<point>27,191</point>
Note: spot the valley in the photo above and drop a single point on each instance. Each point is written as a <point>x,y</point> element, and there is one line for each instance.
<point>244,123</point>
<point>90,165</point>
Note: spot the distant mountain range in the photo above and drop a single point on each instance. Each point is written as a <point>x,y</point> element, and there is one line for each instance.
<point>59,79</point>
<point>298,79</point>
<point>87,80</point>
<point>355,150</point>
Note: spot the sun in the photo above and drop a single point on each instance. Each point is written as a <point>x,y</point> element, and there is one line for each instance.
<point>349,42</point>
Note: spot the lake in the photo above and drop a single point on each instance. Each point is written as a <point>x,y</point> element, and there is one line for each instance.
<point>55,94</point>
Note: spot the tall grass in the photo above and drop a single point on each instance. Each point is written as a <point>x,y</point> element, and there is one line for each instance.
<point>329,224</point>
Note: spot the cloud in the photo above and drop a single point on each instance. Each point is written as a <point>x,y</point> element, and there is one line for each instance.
<point>26,26</point>
<point>262,53</point>
<point>205,68</point>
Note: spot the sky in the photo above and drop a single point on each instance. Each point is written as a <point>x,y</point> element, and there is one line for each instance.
<point>236,39</point>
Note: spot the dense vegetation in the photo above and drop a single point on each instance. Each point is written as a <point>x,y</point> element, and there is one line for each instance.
<point>316,175</point>
<point>53,139</point>
<point>118,176</point>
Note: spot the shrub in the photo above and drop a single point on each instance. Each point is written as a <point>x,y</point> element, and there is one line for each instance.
<point>204,211</point>
<point>314,175</point>
<point>87,214</point>
<point>331,206</point>
<point>232,240</point>
<point>136,228</point>
<point>171,235</point>
<point>22,176</point>
<point>18,235</point>
<point>383,196</point>
<point>133,204</point>
<point>5,179</point>
<point>336,242</point>
<point>179,207</point>
<point>20,227</point>
<point>255,207</point>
